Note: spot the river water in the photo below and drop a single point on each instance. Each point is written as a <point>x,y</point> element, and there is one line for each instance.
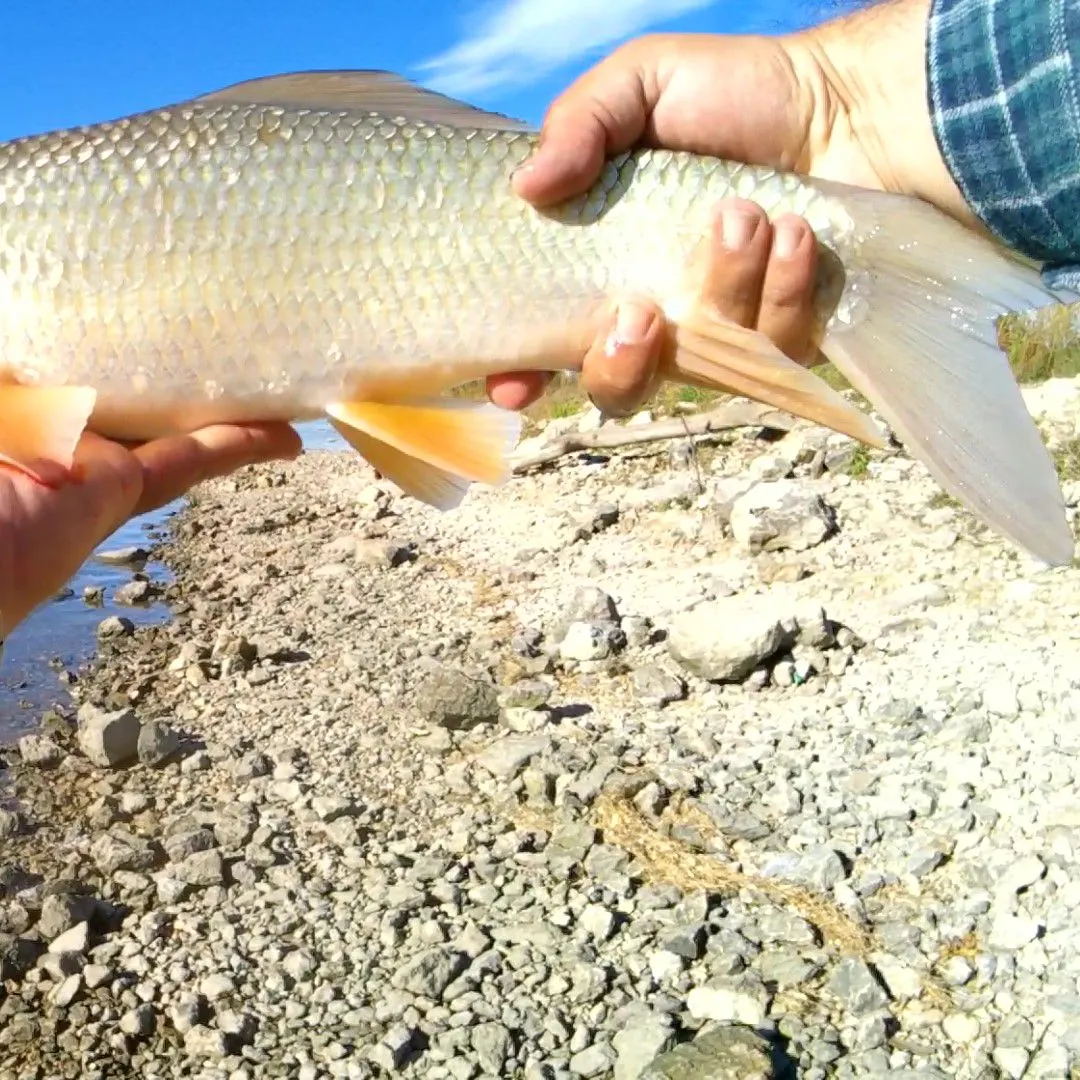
<point>60,634</point>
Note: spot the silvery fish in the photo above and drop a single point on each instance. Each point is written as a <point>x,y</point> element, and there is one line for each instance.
<point>348,245</point>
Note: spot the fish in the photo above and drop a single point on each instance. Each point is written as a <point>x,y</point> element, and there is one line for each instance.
<point>347,245</point>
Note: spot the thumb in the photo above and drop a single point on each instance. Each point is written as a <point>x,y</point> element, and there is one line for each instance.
<point>606,111</point>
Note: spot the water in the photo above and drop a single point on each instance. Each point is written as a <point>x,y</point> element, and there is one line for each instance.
<point>61,632</point>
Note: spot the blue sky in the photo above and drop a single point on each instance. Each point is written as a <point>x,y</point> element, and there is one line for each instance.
<point>68,62</point>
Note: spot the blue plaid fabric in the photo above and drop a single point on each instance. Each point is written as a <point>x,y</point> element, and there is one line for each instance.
<point>1004,91</point>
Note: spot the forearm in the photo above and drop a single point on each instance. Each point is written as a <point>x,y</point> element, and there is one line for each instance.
<point>873,65</point>
<point>969,105</point>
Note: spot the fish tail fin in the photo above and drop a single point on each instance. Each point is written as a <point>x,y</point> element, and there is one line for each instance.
<point>709,351</point>
<point>433,450</point>
<point>922,345</point>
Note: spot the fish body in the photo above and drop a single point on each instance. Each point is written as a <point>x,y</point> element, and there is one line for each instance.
<point>349,246</point>
<point>237,261</point>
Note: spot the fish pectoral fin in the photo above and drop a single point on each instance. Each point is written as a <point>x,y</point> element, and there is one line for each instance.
<point>713,352</point>
<point>40,427</point>
<point>432,450</point>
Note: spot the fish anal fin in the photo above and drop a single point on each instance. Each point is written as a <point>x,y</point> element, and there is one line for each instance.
<point>40,428</point>
<point>382,92</point>
<point>456,438</point>
<point>707,350</point>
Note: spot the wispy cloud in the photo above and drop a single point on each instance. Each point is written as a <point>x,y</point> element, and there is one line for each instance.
<point>517,41</point>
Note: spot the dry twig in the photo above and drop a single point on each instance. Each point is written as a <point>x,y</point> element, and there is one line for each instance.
<point>733,414</point>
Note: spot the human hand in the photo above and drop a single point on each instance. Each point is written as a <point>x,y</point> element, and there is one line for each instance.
<point>809,103</point>
<point>46,533</point>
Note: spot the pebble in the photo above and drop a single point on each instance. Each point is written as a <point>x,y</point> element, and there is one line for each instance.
<point>726,1004</point>
<point>1011,932</point>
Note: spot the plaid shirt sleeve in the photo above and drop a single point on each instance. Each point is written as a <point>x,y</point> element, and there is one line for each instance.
<point>1004,95</point>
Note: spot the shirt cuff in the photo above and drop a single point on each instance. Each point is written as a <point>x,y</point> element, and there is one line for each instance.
<point>1005,106</point>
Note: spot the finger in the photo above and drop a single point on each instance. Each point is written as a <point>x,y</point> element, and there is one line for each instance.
<point>603,112</point>
<point>742,237</point>
<point>107,484</point>
<point>787,296</point>
<point>619,371</point>
<point>172,466</point>
<point>517,390</point>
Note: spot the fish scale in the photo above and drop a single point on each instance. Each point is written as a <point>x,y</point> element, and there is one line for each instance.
<point>347,245</point>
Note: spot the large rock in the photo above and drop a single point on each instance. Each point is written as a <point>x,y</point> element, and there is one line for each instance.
<point>157,743</point>
<point>40,750</point>
<point>724,640</point>
<point>590,605</point>
<point>722,1052</point>
<point>122,850</point>
<point>453,699</point>
<point>780,514</point>
<point>108,739</point>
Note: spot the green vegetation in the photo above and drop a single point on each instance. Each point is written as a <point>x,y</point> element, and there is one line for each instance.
<point>1067,459</point>
<point>1043,346</point>
<point>860,461</point>
<point>942,499</point>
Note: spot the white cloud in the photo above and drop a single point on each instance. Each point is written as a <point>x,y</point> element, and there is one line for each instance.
<point>519,41</point>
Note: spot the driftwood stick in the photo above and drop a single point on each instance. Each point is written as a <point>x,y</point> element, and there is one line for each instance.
<point>734,414</point>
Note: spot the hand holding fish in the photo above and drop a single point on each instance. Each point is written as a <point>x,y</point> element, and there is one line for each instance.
<point>46,532</point>
<point>789,102</point>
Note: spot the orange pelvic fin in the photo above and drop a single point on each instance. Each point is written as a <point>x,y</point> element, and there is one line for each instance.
<point>433,450</point>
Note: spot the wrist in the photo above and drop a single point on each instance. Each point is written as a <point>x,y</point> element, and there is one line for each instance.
<point>870,66</point>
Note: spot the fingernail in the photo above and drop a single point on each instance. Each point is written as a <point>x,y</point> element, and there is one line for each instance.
<point>632,324</point>
<point>786,238</point>
<point>737,228</point>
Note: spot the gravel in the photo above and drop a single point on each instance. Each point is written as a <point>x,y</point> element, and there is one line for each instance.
<point>736,762</point>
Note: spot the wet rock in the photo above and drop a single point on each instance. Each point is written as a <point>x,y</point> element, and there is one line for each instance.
<point>134,593</point>
<point>124,557</point>
<point>115,626</point>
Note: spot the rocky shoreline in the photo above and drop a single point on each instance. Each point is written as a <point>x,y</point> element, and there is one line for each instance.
<point>756,760</point>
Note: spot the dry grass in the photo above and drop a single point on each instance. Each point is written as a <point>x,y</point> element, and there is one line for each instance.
<point>663,859</point>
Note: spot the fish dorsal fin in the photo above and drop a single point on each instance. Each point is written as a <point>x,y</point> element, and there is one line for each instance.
<point>380,92</point>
